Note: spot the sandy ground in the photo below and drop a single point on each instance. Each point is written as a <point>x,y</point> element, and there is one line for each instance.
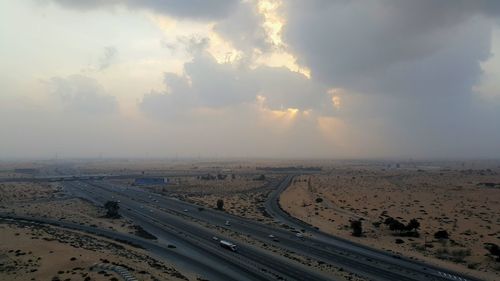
<point>448,200</point>
<point>192,185</point>
<point>47,200</point>
<point>27,192</point>
<point>245,205</point>
<point>242,195</point>
<point>439,198</point>
<point>48,253</point>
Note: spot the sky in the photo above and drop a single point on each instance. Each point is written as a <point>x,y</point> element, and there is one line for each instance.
<point>250,78</point>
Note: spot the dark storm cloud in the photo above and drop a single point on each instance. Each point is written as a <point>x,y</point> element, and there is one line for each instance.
<point>395,47</point>
<point>194,9</point>
<point>81,94</point>
<point>413,65</point>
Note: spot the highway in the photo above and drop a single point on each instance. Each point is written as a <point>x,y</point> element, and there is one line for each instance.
<point>184,259</point>
<point>273,208</point>
<point>248,263</point>
<point>157,213</point>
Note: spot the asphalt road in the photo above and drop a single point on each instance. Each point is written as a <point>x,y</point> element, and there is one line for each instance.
<point>371,263</point>
<point>287,239</point>
<point>249,262</point>
<point>431,272</point>
<point>182,258</point>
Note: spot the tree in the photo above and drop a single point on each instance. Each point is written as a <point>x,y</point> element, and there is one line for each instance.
<point>112,208</point>
<point>357,228</point>
<point>260,178</point>
<point>396,226</point>
<point>494,250</point>
<point>220,204</point>
<point>389,221</point>
<point>442,234</point>
<point>413,225</point>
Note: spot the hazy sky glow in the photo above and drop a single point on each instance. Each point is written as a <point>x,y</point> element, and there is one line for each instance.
<point>250,78</point>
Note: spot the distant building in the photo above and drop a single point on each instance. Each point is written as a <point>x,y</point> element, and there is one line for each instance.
<point>150,181</point>
<point>26,171</point>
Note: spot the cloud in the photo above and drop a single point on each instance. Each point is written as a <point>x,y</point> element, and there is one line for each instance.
<point>192,9</point>
<point>81,94</point>
<point>244,28</point>
<point>388,79</point>
<point>391,47</point>
<point>209,84</point>
<point>409,67</point>
<point>108,57</point>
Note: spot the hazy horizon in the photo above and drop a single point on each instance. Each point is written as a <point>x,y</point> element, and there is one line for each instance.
<point>250,79</point>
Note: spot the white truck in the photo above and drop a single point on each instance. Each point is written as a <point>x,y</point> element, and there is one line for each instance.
<point>228,245</point>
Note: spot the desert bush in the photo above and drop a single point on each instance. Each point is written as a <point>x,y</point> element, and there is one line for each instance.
<point>112,208</point>
<point>442,253</point>
<point>357,228</point>
<point>389,220</point>
<point>472,265</point>
<point>220,204</point>
<point>396,226</point>
<point>413,225</point>
<point>458,255</point>
<point>442,234</point>
<point>493,249</point>
<point>260,178</point>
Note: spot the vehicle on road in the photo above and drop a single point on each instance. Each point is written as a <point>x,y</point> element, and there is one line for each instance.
<point>215,238</point>
<point>271,236</point>
<point>228,245</point>
<point>186,210</point>
<point>228,223</point>
<point>299,235</point>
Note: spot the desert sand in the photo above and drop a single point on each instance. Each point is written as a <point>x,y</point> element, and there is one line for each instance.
<point>48,253</point>
<point>440,199</point>
<point>47,200</point>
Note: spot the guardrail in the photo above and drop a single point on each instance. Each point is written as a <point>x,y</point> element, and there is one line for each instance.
<point>122,271</point>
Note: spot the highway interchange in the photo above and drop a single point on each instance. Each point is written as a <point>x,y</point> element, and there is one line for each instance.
<point>192,230</point>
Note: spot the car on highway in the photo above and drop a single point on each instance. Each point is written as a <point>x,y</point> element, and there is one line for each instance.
<point>228,245</point>
<point>228,223</point>
<point>299,235</point>
<point>271,236</point>
<point>215,238</point>
<point>186,210</point>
